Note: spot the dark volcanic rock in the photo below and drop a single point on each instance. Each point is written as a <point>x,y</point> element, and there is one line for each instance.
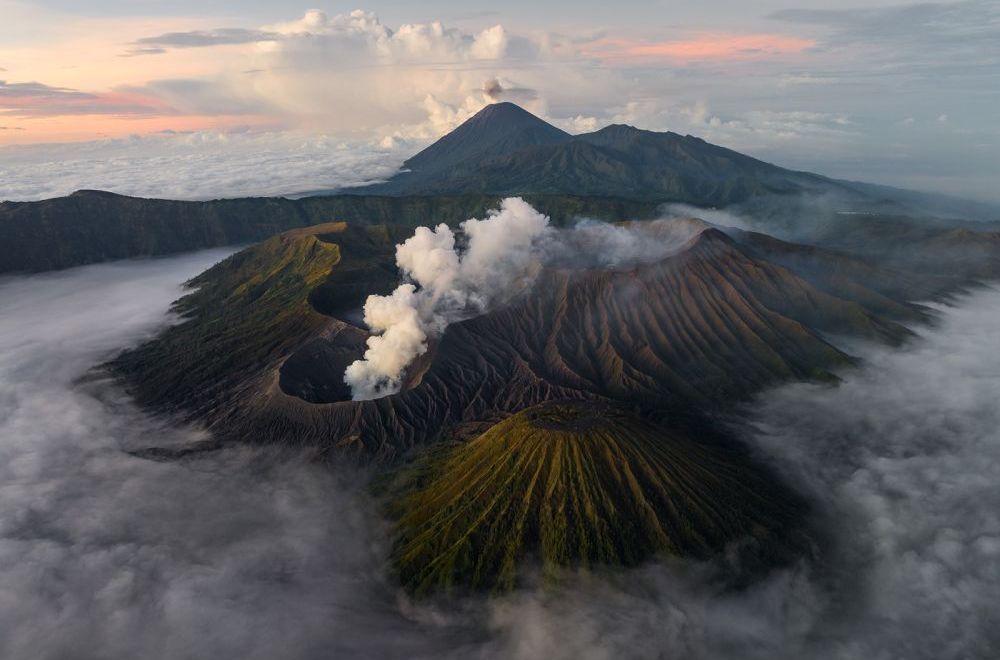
<point>91,226</point>
<point>697,330</point>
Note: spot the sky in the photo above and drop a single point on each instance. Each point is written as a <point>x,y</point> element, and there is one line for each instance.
<point>904,94</point>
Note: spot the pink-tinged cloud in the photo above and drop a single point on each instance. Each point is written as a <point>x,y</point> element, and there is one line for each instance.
<point>35,112</point>
<point>69,128</point>
<point>34,99</point>
<point>703,47</point>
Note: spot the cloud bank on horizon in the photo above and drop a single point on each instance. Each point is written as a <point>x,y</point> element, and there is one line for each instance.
<point>783,81</point>
<point>196,165</point>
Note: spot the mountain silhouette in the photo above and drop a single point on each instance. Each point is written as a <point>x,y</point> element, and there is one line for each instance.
<point>506,150</point>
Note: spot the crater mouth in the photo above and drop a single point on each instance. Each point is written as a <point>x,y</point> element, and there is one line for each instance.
<point>571,416</point>
<point>315,372</point>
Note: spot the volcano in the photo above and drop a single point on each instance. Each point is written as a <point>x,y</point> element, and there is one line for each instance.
<point>585,420</point>
<point>576,485</point>
<point>505,150</point>
<point>496,130</point>
<point>269,332</point>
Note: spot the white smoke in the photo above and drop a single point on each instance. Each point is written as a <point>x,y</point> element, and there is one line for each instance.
<point>598,244</point>
<point>501,257</point>
<point>722,218</point>
<point>446,284</point>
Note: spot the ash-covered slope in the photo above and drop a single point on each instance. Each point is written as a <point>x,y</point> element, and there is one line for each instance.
<point>698,329</point>
<point>584,485</point>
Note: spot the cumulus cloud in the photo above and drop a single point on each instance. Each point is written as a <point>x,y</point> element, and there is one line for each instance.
<point>198,165</point>
<point>445,285</point>
<point>418,80</point>
<point>421,40</point>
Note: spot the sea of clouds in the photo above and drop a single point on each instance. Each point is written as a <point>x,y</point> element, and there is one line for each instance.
<point>258,554</point>
<point>198,165</point>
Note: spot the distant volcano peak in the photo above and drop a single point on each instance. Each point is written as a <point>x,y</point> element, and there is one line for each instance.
<point>505,150</point>
<point>497,129</point>
<point>504,111</point>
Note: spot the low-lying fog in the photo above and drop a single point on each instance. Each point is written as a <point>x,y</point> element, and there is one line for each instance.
<point>241,554</point>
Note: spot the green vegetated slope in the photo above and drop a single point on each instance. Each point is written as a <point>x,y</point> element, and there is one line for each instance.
<point>583,485</point>
<point>254,309</point>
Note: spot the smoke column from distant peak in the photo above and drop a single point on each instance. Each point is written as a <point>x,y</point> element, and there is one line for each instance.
<point>445,284</point>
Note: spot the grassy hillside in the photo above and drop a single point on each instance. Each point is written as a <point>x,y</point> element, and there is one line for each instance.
<point>252,310</point>
<point>581,485</point>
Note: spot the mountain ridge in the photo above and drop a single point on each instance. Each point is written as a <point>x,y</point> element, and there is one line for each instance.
<point>719,324</point>
<point>505,150</point>
<point>687,169</point>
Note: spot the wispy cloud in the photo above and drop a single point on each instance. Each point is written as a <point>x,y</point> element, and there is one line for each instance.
<point>198,39</point>
<point>34,99</point>
<point>698,48</point>
<point>960,35</point>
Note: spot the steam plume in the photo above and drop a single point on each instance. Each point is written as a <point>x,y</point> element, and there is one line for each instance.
<point>445,285</point>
